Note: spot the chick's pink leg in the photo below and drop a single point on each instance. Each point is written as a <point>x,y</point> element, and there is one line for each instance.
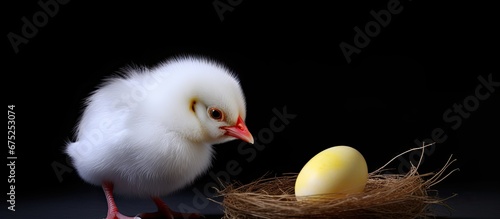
<point>112,209</point>
<point>164,212</point>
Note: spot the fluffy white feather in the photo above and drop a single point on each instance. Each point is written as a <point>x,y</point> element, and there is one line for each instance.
<point>148,131</point>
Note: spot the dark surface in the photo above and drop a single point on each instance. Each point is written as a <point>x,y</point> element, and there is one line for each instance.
<point>470,201</point>
<point>398,91</point>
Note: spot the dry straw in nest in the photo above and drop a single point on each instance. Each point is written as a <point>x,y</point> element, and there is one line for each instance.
<point>385,196</point>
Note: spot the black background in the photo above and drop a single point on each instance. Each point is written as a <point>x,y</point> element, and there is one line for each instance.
<point>395,91</point>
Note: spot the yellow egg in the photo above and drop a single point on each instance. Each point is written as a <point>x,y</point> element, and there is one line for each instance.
<point>337,170</point>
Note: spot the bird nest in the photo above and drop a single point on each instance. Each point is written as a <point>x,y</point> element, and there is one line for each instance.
<point>385,196</point>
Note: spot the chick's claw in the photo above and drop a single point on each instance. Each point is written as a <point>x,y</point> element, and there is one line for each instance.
<point>117,215</point>
<point>164,212</point>
<point>173,215</point>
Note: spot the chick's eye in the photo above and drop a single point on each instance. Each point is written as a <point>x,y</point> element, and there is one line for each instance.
<point>215,113</point>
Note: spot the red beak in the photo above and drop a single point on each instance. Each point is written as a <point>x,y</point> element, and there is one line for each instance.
<point>239,131</point>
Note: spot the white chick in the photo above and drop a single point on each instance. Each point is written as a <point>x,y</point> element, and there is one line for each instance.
<point>150,132</point>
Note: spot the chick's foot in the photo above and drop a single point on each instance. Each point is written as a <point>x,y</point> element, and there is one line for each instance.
<point>164,212</point>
